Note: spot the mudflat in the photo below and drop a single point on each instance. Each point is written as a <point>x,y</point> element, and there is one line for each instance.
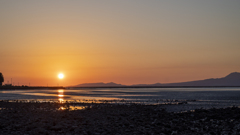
<point>105,118</point>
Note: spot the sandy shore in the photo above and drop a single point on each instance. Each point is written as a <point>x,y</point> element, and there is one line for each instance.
<point>96,119</point>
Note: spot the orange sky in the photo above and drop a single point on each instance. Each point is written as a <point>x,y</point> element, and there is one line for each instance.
<point>127,42</point>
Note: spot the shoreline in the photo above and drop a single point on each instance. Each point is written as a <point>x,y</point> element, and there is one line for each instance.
<point>175,106</point>
<point>100,87</point>
<point>105,118</point>
<point>29,87</point>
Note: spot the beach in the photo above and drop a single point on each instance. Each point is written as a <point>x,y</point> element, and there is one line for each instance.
<point>105,118</point>
<point>101,67</point>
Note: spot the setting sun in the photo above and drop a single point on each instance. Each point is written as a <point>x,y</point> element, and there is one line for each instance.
<point>60,76</point>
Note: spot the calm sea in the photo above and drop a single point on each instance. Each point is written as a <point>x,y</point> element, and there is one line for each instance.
<point>213,97</point>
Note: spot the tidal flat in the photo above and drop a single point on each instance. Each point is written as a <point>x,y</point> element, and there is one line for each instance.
<point>117,119</point>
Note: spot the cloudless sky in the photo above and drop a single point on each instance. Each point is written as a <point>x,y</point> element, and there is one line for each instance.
<point>124,41</point>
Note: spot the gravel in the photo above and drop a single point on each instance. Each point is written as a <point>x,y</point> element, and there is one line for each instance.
<point>117,119</point>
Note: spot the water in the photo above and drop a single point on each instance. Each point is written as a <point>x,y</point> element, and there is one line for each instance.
<point>197,97</point>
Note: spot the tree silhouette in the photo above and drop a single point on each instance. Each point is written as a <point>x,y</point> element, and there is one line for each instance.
<point>1,79</point>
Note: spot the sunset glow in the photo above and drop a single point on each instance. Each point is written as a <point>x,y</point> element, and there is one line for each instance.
<point>119,66</point>
<point>126,42</point>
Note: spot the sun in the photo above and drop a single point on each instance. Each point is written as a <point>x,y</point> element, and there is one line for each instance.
<point>60,76</point>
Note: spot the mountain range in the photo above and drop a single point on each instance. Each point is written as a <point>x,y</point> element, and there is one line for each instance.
<point>100,84</point>
<point>232,79</point>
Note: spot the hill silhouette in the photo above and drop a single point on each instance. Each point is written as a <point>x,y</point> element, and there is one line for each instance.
<point>100,84</point>
<point>232,79</point>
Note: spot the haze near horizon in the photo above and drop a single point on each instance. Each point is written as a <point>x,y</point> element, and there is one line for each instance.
<point>127,42</point>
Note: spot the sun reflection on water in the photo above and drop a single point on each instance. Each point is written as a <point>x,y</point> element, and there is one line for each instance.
<point>60,100</point>
<point>60,91</point>
<point>73,108</point>
<point>61,95</point>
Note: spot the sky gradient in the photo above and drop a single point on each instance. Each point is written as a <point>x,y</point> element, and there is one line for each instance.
<point>127,42</point>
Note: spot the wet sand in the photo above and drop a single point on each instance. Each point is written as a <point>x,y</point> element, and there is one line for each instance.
<point>105,118</point>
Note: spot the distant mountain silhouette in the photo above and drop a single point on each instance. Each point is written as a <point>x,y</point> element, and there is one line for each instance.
<point>232,79</point>
<point>100,84</point>
<point>156,84</point>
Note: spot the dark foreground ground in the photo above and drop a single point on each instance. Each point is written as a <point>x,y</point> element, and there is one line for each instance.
<point>97,119</point>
